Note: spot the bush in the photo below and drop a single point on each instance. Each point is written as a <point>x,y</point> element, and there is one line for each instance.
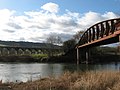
<point>39,56</point>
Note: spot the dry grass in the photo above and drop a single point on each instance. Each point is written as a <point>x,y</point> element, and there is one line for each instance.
<point>91,80</point>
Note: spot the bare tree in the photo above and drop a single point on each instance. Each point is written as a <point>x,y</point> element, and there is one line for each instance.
<point>78,35</point>
<point>51,39</point>
<point>58,40</point>
<point>54,39</point>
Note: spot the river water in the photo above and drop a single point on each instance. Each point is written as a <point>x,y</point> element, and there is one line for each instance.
<point>18,72</point>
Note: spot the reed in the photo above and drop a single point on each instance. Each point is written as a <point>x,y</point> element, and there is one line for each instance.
<point>90,80</point>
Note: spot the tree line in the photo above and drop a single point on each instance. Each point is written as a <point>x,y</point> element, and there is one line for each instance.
<point>67,45</point>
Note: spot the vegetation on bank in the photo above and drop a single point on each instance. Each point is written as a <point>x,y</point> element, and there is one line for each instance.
<point>39,56</point>
<point>25,58</point>
<point>90,80</point>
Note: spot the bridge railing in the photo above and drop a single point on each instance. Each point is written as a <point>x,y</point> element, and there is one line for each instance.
<point>98,31</point>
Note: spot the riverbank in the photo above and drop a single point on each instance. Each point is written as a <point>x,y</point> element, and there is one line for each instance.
<point>66,58</point>
<point>39,58</point>
<point>90,80</point>
<point>14,58</point>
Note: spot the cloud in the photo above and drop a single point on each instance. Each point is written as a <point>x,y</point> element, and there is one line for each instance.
<point>22,39</point>
<point>36,26</point>
<point>109,15</point>
<point>90,18</point>
<point>6,15</point>
<point>9,31</point>
<point>39,27</point>
<point>51,7</point>
<point>14,25</point>
<point>37,39</point>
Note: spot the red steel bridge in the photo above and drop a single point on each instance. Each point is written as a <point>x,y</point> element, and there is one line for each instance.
<point>102,33</point>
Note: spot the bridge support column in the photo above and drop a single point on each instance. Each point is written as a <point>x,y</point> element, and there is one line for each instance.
<point>78,56</point>
<point>87,56</point>
<point>119,38</point>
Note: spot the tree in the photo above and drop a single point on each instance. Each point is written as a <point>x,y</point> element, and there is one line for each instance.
<point>69,45</point>
<point>54,39</point>
<point>78,35</point>
<point>51,39</point>
<point>58,40</point>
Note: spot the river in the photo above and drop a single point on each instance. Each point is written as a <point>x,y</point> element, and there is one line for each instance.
<point>17,72</point>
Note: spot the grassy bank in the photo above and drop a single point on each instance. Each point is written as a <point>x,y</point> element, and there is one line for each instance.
<point>91,80</point>
<point>24,58</point>
<point>40,57</point>
<point>67,58</point>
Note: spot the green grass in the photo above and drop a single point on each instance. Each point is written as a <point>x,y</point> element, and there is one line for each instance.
<point>39,56</point>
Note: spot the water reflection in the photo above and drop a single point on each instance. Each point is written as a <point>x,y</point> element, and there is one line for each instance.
<point>24,72</point>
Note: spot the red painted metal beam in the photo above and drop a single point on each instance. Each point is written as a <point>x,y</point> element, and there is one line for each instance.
<point>102,33</point>
<point>100,40</point>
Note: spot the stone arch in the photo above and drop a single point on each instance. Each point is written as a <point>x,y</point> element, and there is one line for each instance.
<point>27,52</point>
<point>12,51</point>
<point>5,51</point>
<point>20,51</point>
<point>39,51</point>
<point>34,51</point>
<point>0,51</point>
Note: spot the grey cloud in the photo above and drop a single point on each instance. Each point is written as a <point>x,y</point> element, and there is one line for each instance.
<point>37,39</point>
<point>51,20</point>
<point>35,26</point>
<point>9,31</point>
<point>16,26</point>
<point>39,27</point>
<point>64,23</point>
<point>68,23</point>
<point>22,38</point>
<point>63,36</point>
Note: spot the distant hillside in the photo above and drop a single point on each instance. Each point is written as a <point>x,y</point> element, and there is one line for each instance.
<point>28,45</point>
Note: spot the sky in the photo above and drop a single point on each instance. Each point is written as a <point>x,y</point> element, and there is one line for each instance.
<point>36,20</point>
